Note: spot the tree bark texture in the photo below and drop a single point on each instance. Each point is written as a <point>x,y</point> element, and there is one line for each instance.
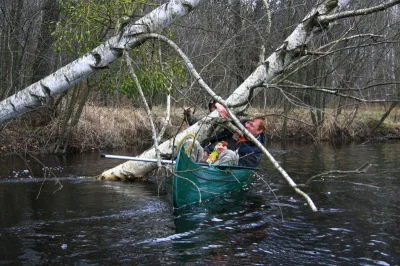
<point>41,92</point>
<point>292,49</point>
<point>285,55</point>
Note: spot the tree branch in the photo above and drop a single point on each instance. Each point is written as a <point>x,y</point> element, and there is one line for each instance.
<point>235,120</point>
<point>336,91</point>
<point>168,114</point>
<point>338,173</point>
<point>359,12</point>
<point>153,129</point>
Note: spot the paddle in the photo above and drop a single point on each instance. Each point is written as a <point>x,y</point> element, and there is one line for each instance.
<point>147,160</point>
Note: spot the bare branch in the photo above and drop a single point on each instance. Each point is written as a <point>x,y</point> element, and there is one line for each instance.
<point>337,173</point>
<point>168,113</point>
<point>139,87</point>
<point>337,93</point>
<point>359,12</point>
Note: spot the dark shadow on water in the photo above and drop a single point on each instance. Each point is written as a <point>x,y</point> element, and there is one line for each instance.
<point>193,217</point>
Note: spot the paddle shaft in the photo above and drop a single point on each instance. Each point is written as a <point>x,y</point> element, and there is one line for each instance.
<point>147,160</point>
<point>135,159</point>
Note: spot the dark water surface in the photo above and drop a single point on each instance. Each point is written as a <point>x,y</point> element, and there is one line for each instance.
<point>89,222</point>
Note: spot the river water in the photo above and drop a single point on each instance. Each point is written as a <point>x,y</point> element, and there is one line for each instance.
<point>72,219</point>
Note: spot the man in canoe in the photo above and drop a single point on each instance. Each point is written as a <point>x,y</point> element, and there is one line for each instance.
<point>232,147</point>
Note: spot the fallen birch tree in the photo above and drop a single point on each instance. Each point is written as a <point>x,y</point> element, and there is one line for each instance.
<point>273,66</point>
<point>294,48</point>
<point>41,92</point>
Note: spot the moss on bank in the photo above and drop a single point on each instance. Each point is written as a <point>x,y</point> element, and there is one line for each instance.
<point>110,128</point>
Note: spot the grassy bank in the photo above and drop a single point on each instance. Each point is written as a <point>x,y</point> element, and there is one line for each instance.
<point>123,127</point>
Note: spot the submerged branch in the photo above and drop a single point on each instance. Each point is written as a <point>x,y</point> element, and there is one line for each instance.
<point>45,174</point>
<point>337,173</point>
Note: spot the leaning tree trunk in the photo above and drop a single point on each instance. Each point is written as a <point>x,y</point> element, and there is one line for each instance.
<point>383,118</point>
<point>292,49</point>
<point>41,92</point>
<point>286,54</point>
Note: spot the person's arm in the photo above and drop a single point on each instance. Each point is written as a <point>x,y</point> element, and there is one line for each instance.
<point>222,111</point>
<point>226,134</point>
<point>251,160</point>
<point>249,153</point>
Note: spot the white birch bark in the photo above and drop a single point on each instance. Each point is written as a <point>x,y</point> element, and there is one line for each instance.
<point>293,48</point>
<point>282,57</point>
<point>41,92</point>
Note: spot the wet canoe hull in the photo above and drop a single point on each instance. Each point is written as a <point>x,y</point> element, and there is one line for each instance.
<point>193,183</point>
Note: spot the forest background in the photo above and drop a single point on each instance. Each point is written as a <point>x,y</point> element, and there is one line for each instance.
<point>347,89</point>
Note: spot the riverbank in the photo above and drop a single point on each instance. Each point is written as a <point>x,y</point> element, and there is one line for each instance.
<point>113,128</point>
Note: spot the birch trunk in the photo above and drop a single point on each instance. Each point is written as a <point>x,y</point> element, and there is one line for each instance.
<point>292,49</point>
<point>41,92</point>
<point>287,53</point>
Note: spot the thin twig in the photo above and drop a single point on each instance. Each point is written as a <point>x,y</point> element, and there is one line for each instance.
<point>273,193</point>
<point>139,88</point>
<point>44,175</point>
<point>337,173</point>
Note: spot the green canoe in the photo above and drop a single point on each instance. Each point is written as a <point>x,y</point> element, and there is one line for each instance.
<point>193,183</point>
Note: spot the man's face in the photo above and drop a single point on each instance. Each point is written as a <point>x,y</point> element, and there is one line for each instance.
<point>253,126</point>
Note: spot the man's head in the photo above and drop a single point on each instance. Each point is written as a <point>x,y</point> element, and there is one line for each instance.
<point>211,105</point>
<point>256,125</point>
<point>187,111</point>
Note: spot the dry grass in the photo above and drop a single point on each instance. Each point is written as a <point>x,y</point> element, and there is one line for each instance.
<point>350,124</point>
<point>103,127</point>
<point>124,127</point>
